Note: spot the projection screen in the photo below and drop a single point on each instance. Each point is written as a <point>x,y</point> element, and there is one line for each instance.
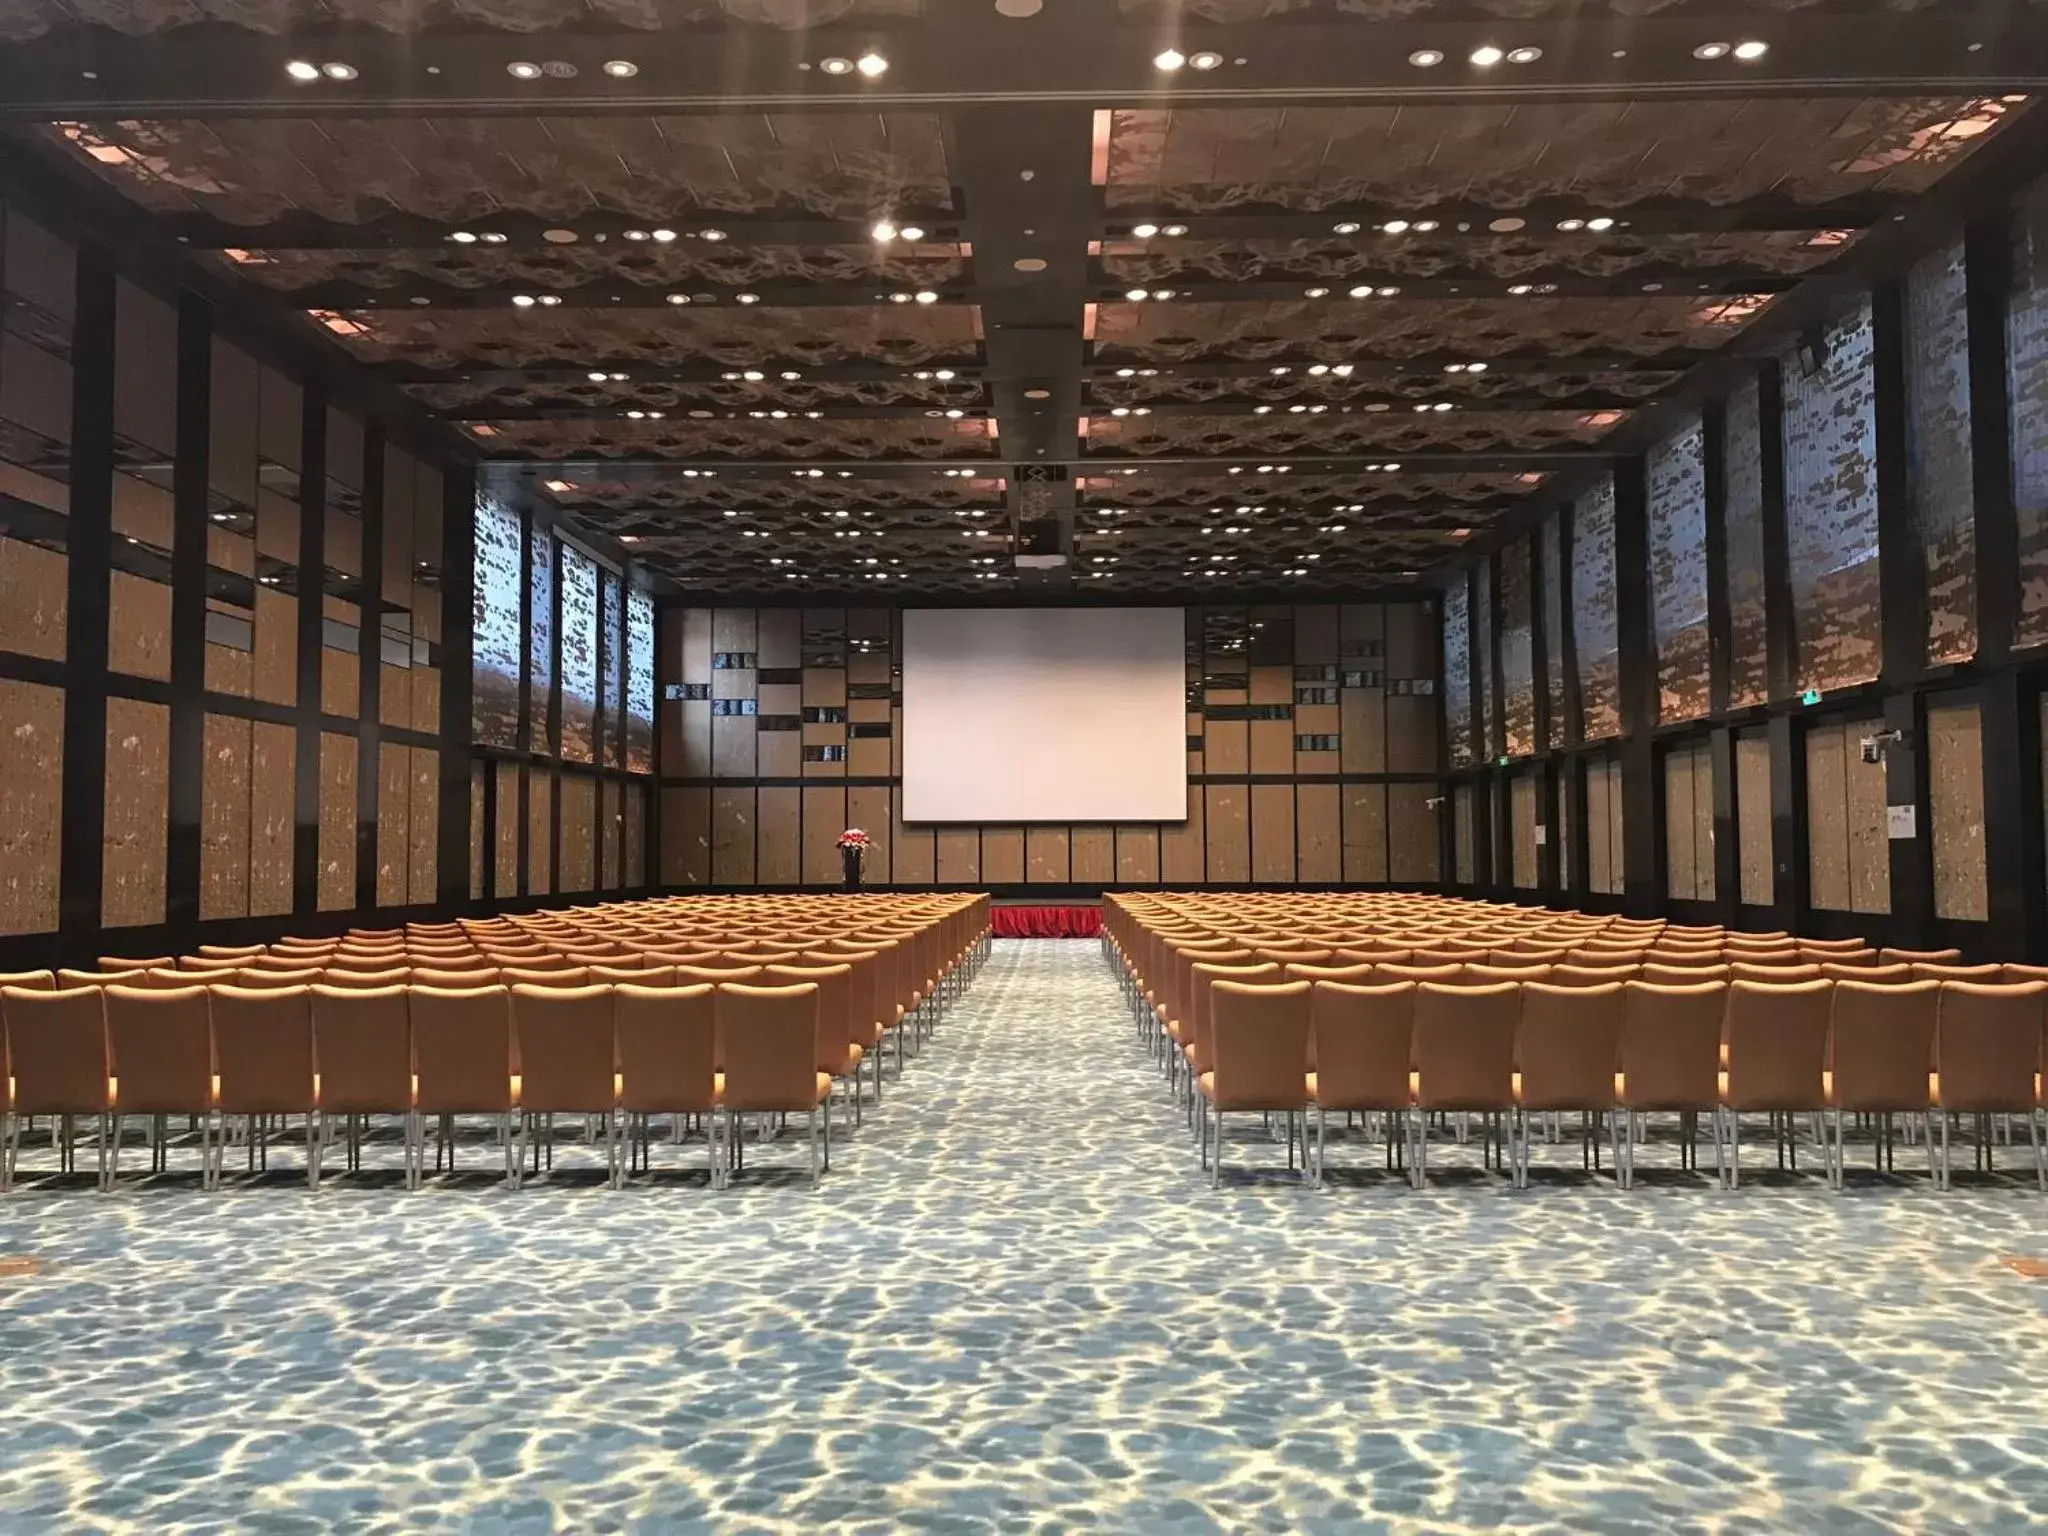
<point>1044,714</point>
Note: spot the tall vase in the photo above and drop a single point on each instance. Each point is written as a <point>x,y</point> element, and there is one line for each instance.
<point>849,865</point>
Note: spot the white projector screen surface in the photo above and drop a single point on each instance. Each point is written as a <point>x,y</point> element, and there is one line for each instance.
<point>1044,714</point>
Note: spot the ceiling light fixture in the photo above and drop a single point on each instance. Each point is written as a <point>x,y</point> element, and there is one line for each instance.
<point>1138,295</point>
<point>621,69</point>
<point>1485,56</point>
<point>926,296</point>
<point>302,71</point>
<point>636,234</point>
<point>872,64</point>
<point>1345,227</point>
<point>1524,55</point>
<point>1394,227</point>
<point>1169,59</point>
<point>463,237</point>
<point>1425,226</point>
<point>679,298</point>
<point>1570,226</point>
<point>1426,58</point>
<point>494,237</point>
<point>747,298</point>
<point>913,232</point>
<point>1711,51</point>
<point>1144,231</point>
<point>522,300</point>
<point>1208,58</point>
<point>711,234</point>
<point>1600,225</point>
<point>836,65</point>
<point>664,235</point>
<point>1174,230</point>
<point>1315,293</point>
<point>522,69</point>
<point>1751,50</point>
<point>338,71</point>
<point>883,231</point>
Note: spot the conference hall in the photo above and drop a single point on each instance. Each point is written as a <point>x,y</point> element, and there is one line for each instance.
<point>1023,766</point>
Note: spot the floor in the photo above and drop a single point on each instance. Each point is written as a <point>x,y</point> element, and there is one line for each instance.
<point>1015,1304</point>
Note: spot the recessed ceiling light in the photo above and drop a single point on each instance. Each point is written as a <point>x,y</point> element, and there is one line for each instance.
<point>791,374</point>
<point>621,69</point>
<point>1169,59</point>
<point>1162,293</point>
<point>883,231</point>
<point>664,235</point>
<point>1568,226</point>
<point>753,375</point>
<point>1173,229</point>
<point>1752,50</point>
<point>1518,289</point>
<point>1475,367</point>
<point>1425,226</point>
<point>1362,291</point>
<point>912,232</point>
<point>636,234</point>
<point>1524,55</point>
<point>1345,227</point>
<point>1029,263</point>
<point>747,298</point>
<point>463,237</point>
<point>872,64</point>
<point>943,373</point>
<point>521,69</point>
<point>1711,51</point>
<point>1485,56</point>
<point>1144,231</point>
<point>338,71</point>
<point>302,71</point>
<point>1208,58</point>
<point>1138,295</point>
<point>523,300</point>
<point>713,235</point>
<point>1426,58</point>
<point>1600,225</point>
<point>599,378</point>
<point>835,65</point>
<point>1394,227</point>
<point>679,298</point>
<point>926,296</point>
<point>1315,293</point>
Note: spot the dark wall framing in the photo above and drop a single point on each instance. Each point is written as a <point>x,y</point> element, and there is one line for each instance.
<point>2006,685</point>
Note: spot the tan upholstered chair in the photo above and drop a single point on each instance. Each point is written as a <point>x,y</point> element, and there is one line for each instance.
<point>1671,1061</point>
<point>1881,1049</point>
<point>1465,1061</point>
<point>1257,1040</point>
<point>1570,1048</point>
<point>32,981</point>
<point>1988,1060</point>
<point>160,1056</point>
<point>55,1054</point>
<point>1361,1036</point>
<point>1777,974</point>
<point>567,1050</point>
<point>263,1053</point>
<point>1777,1052</point>
<point>839,1054</point>
<point>770,1036</point>
<point>363,1047</point>
<point>462,1061</point>
<point>1889,956</point>
<point>666,1041</point>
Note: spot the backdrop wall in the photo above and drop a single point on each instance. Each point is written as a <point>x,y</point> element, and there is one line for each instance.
<point>1313,751</point>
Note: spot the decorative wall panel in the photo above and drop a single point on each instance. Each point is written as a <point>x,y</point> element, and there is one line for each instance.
<point>1938,453</point>
<point>1742,516</point>
<point>1604,866</point>
<point>1465,832</point>
<point>1517,667</point>
<point>1753,817</point>
<point>424,815</point>
<point>31,804</point>
<point>1955,787</point>
<point>540,831</point>
<point>497,617</point>
<point>2026,350</point>
<point>1458,668</point>
<point>505,870</point>
<point>336,884</point>
<point>1483,691</point>
<point>611,681</point>
<point>224,818</point>
<point>1412,843</point>
<point>1830,432</point>
<point>578,858</point>
<point>540,630</point>
<point>1689,822</point>
<point>137,785</point>
<point>1848,852</point>
<point>1551,573</point>
<point>1594,625</point>
<point>394,823</point>
<point>1677,511</point>
<point>1522,822</point>
<point>579,655</point>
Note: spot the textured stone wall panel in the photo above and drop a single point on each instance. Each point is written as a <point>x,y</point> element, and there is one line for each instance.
<point>1678,571</point>
<point>1938,456</point>
<point>1594,624</point>
<point>1830,432</point>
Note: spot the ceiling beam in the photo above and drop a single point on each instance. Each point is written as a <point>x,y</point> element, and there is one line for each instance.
<point>1372,365</point>
<point>1067,54</point>
<point>1462,285</point>
<point>644,470</point>
<point>788,370</point>
<point>1371,402</point>
<point>618,293</point>
<point>513,230</point>
<point>691,412</point>
<point>1452,221</point>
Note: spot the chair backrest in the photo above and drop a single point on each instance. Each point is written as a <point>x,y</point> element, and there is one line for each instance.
<point>55,1049</point>
<point>1465,1045</point>
<point>1357,974</point>
<point>1743,970</point>
<point>770,1037</point>
<point>1890,956</point>
<point>190,964</point>
<point>263,1049</point>
<point>1418,973</point>
<point>836,1004</point>
<point>434,976</point>
<point>1590,975</point>
<point>1487,975</point>
<point>1372,954</point>
<point>163,978</point>
<point>159,1050</point>
<point>1988,1045</point>
<point>1201,980</point>
<point>566,1047</point>
<point>111,963</point>
<point>390,976</point>
<point>665,1038</point>
<point>1777,1036</point>
<point>462,1048</point>
<point>511,976</point>
<point>1987,974</point>
<point>362,1039</point>
<point>1872,974</point>
<point>1570,1045</point>
<point>1671,1044</point>
<point>1517,958</point>
<point>232,951</point>
<point>1360,1039</point>
<point>643,976</point>
<point>34,981</point>
<point>1258,1036</point>
<point>1883,1043</point>
<point>1683,975</point>
<point>1282,955</point>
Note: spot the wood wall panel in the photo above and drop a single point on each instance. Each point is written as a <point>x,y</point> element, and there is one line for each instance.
<point>824,820</point>
<point>137,783</point>
<point>1680,871</point>
<point>1093,854</point>
<point>686,836</point>
<point>1753,817</point>
<point>959,855</point>
<point>1272,814</point>
<point>31,804</point>
<point>224,820</point>
<point>732,835</point>
<point>1411,647</point>
<point>1365,833</point>
<point>1870,849</point>
<point>1318,834</point>
<point>505,836</point>
<point>540,830</point>
<point>1412,857</point>
<point>912,856</point>
<point>1002,855</point>
<point>576,869</point>
<point>1464,833</point>
<point>1227,820</point>
<point>1522,824</point>
<point>394,822</point>
<point>778,836</point>
<point>1137,855</point>
<point>1183,848</point>
<point>1955,774</point>
<point>337,844</point>
<point>1048,855</point>
<point>423,858</point>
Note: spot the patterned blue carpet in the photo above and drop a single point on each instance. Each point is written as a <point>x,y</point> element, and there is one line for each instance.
<point>1016,1305</point>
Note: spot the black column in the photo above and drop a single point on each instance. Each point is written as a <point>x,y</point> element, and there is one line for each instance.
<point>90,531</point>
<point>1540,663</point>
<point>1902,602</point>
<point>370,669</point>
<point>312,589</point>
<point>1789,868</point>
<point>1720,655</point>
<point>524,737</point>
<point>2013,833</point>
<point>458,579</point>
<point>1571,786</point>
<point>190,520</point>
<point>1642,828</point>
<point>554,741</point>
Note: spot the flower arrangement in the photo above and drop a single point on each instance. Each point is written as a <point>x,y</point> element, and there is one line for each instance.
<point>855,838</point>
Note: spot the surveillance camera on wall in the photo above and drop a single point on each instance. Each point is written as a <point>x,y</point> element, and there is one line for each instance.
<point>1434,802</point>
<point>1874,746</point>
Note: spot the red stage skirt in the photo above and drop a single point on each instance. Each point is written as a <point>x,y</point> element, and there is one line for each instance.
<point>1046,922</point>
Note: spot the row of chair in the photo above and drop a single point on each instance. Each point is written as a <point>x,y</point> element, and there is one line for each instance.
<point>713,1042</point>
<point>1283,1029</point>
